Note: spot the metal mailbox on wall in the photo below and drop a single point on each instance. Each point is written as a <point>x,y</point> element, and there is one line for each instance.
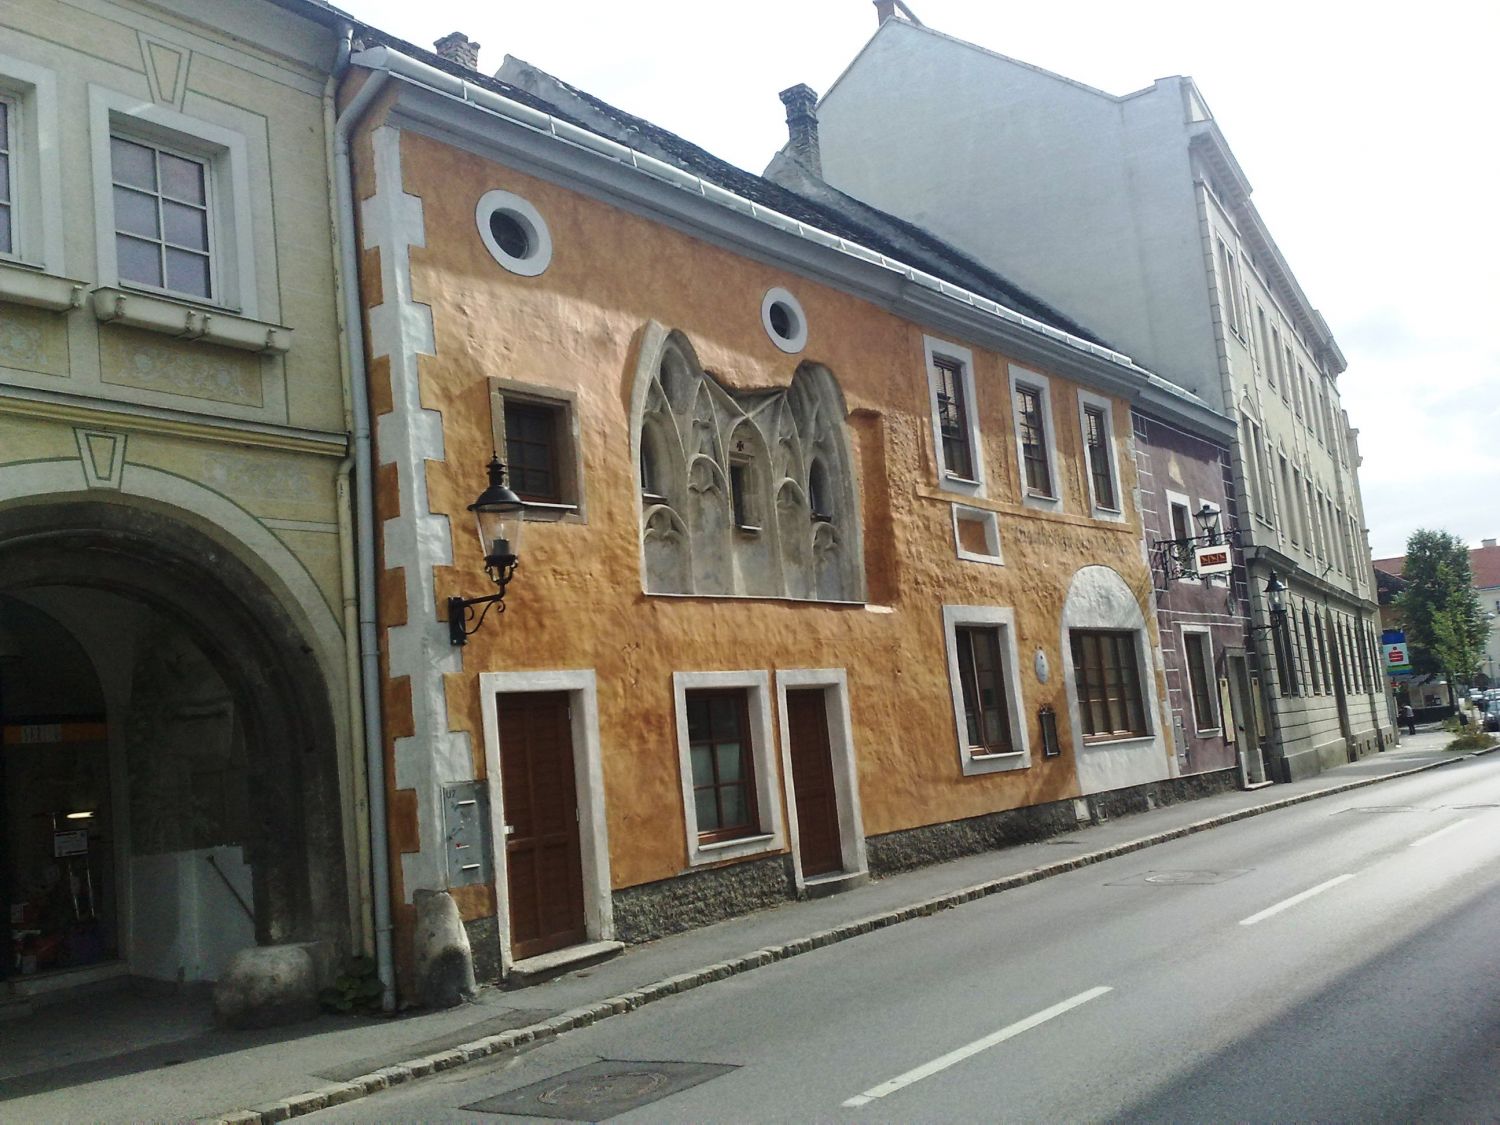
<point>466,822</point>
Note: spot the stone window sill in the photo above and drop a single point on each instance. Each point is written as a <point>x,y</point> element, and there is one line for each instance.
<point>27,285</point>
<point>190,322</point>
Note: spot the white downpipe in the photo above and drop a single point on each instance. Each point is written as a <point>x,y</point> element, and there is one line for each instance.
<point>366,529</point>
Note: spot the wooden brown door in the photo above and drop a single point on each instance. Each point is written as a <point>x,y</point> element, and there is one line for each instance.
<point>812,781</point>
<point>543,872</point>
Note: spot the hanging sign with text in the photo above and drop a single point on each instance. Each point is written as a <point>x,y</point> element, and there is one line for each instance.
<point>1211,560</point>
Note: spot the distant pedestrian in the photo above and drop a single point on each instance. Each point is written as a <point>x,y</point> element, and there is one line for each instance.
<point>1409,718</point>
<point>1463,719</point>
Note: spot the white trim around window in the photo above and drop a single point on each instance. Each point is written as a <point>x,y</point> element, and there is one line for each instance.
<point>835,685</point>
<point>1002,618</point>
<point>935,352</point>
<point>226,156</point>
<point>1086,401</point>
<point>771,837</point>
<point>1210,678</point>
<point>1182,500</point>
<point>1034,380</point>
<point>588,773</point>
<point>36,170</point>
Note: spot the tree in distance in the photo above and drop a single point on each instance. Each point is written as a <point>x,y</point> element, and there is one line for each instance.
<point>1445,629</point>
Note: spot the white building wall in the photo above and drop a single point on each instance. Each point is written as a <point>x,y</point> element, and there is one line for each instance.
<point>1051,183</point>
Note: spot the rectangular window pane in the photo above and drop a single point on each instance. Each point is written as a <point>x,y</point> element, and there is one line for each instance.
<point>183,225</point>
<point>4,175</point>
<point>6,241</point>
<point>729,758</point>
<point>707,808</point>
<point>138,261</point>
<point>734,808</point>
<point>187,272</point>
<point>134,164</point>
<point>182,179</point>
<point>136,213</point>
<point>981,676</point>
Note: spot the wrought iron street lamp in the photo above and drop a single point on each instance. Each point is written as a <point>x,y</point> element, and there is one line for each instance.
<point>500,516</point>
<point>1208,519</point>
<point>1275,592</point>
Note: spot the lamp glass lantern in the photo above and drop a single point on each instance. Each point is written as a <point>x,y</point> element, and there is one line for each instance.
<point>500,517</point>
<point>1208,519</point>
<point>1276,594</point>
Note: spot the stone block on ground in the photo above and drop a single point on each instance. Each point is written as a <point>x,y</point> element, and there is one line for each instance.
<point>266,986</point>
<point>444,960</point>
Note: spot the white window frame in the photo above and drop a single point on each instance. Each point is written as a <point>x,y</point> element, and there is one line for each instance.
<point>1024,376</point>
<point>772,835</point>
<point>36,168</point>
<point>1209,672</point>
<point>932,350</point>
<point>991,524</point>
<point>1100,403</point>
<point>1003,618</point>
<point>224,151</point>
<point>210,195</point>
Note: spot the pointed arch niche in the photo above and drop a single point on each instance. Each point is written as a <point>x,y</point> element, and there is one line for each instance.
<point>743,493</point>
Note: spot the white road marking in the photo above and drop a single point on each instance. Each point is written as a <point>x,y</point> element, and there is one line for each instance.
<point>926,1070</point>
<point>1288,903</point>
<point>1440,831</point>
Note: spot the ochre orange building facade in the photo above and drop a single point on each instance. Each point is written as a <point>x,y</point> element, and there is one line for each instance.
<point>640,275</point>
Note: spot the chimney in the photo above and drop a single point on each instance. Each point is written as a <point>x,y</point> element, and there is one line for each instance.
<point>801,103</point>
<point>1486,542</point>
<point>458,48</point>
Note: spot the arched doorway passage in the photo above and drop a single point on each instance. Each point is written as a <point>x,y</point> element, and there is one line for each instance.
<point>169,779</point>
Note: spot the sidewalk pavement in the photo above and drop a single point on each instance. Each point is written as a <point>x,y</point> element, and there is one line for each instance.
<point>125,1057</point>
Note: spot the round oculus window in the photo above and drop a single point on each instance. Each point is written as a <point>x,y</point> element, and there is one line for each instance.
<point>783,319</point>
<point>514,233</point>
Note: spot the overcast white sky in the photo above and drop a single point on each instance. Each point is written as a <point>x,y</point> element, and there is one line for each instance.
<point>1367,131</point>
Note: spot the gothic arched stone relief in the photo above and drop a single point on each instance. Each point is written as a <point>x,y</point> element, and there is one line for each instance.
<point>742,492</point>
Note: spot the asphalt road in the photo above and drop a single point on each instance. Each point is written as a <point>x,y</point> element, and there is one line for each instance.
<point>1335,961</point>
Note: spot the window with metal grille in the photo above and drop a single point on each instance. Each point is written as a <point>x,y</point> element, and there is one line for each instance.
<point>531,451</point>
<point>163,227</point>
<point>1202,681</point>
<point>723,765</point>
<point>981,676</point>
<point>953,418</point>
<point>1033,432</point>
<point>1107,676</point>
<point>1100,457</point>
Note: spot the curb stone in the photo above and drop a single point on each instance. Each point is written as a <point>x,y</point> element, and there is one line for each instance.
<point>401,1073</point>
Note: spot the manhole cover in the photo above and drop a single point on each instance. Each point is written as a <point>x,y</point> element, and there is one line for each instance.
<point>1177,878</point>
<point>601,1090</point>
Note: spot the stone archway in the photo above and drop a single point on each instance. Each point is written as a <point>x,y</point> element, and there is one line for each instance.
<point>230,631</point>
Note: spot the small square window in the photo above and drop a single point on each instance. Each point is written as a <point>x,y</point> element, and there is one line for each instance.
<point>533,431</point>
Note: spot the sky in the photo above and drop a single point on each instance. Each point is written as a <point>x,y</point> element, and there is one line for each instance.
<point>1367,132</point>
